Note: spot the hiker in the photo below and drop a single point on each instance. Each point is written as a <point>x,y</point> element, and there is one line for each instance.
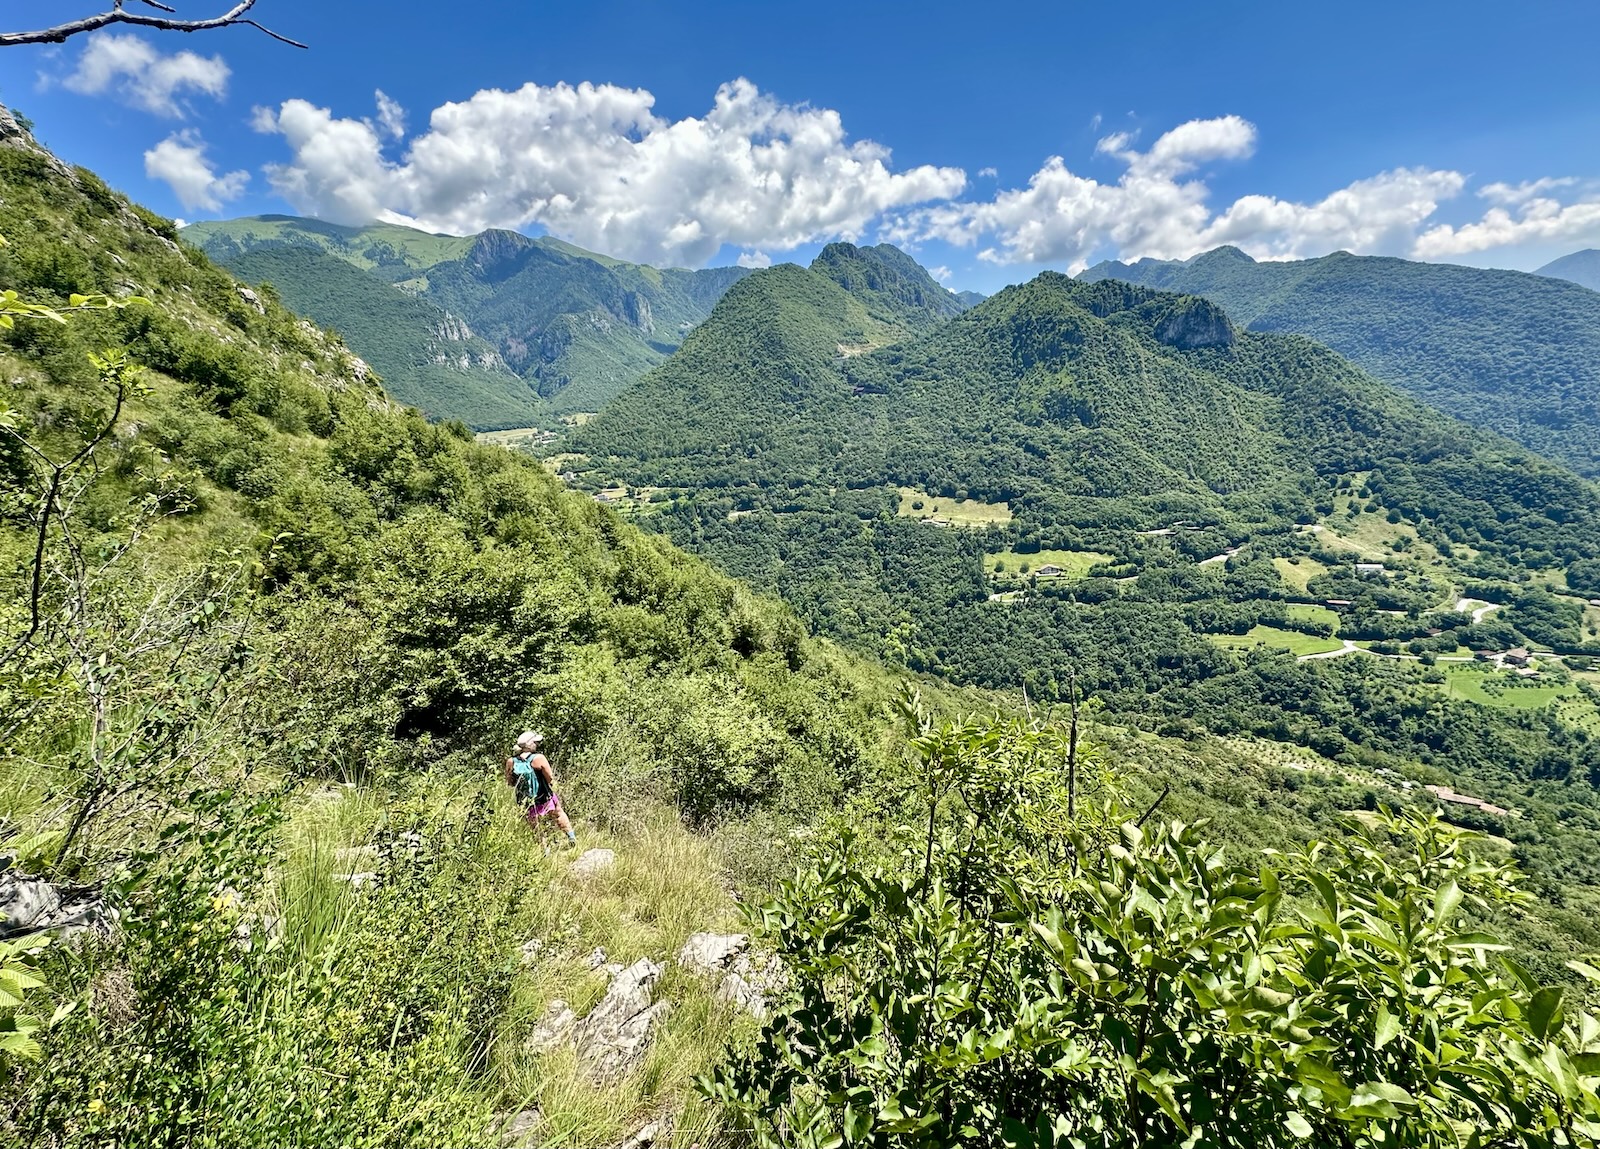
<point>528,773</point>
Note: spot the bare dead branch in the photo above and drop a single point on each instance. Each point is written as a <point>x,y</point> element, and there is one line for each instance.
<point>169,23</point>
<point>50,506</point>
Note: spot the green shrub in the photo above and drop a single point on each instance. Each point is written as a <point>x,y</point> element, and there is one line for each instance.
<point>1018,977</point>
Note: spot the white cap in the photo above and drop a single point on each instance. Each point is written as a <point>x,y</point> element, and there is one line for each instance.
<point>529,739</point>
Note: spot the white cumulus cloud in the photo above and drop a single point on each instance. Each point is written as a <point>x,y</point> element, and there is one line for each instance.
<point>1512,194</point>
<point>594,164</point>
<point>137,72</point>
<point>1157,209</point>
<point>180,161</point>
<point>1517,219</point>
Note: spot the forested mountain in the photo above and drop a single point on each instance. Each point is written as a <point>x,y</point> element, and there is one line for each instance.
<point>1581,267</point>
<point>427,357</point>
<point>568,328</point>
<point>1106,488</point>
<point>1505,350</point>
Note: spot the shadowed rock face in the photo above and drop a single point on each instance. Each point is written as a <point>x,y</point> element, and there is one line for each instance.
<point>1193,323</point>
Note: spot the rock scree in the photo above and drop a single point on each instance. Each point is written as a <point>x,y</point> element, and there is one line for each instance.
<point>744,980</point>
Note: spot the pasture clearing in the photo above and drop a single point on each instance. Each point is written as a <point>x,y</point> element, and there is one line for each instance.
<point>1293,641</point>
<point>1073,564</point>
<point>1296,572</point>
<point>915,504</point>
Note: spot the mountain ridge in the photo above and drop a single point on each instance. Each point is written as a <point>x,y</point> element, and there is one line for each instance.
<point>570,327</point>
<point>1581,267</point>
<point>1512,351</point>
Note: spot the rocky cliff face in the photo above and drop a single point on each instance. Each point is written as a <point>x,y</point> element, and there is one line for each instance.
<point>452,329</point>
<point>637,310</point>
<point>1192,323</point>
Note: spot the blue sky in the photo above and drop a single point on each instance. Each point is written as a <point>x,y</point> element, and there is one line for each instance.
<point>991,140</point>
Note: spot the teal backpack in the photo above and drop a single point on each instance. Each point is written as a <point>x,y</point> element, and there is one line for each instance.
<point>530,783</point>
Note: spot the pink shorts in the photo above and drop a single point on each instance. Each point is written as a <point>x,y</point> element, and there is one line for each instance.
<point>539,809</point>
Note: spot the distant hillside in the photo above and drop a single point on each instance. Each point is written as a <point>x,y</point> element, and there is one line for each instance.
<point>540,327</point>
<point>892,286</point>
<point>1089,403</point>
<point>427,357</point>
<point>1513,352</point>
<point>1581,267</point>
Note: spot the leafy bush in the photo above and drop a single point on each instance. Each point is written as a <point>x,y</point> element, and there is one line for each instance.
<point>1022,978</point>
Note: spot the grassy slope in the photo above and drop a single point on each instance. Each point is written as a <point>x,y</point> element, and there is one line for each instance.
<point>378,245</point>
<point>1506,350</point>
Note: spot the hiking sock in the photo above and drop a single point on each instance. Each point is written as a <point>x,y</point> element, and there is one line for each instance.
<point>572,837</point>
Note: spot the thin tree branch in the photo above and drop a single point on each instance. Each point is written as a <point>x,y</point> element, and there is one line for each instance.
<point>1072,751</point>
<point>59,33</point>
<point>50,504</point>
<point>1165,790</point>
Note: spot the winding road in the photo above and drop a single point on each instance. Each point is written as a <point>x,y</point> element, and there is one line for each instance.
<point>1348,648</point>
<point>1480,613</point>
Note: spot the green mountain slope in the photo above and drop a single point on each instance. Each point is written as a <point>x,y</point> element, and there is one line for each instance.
<point>266,636</point>
<point>575,326</point>
<point>1188,489</point>
<point>1516,353</point>
<point>427,357</point>
<point>1049,394</point>
<point>893,287</point>
<point>1581,267</point>
<point>765,378</point>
